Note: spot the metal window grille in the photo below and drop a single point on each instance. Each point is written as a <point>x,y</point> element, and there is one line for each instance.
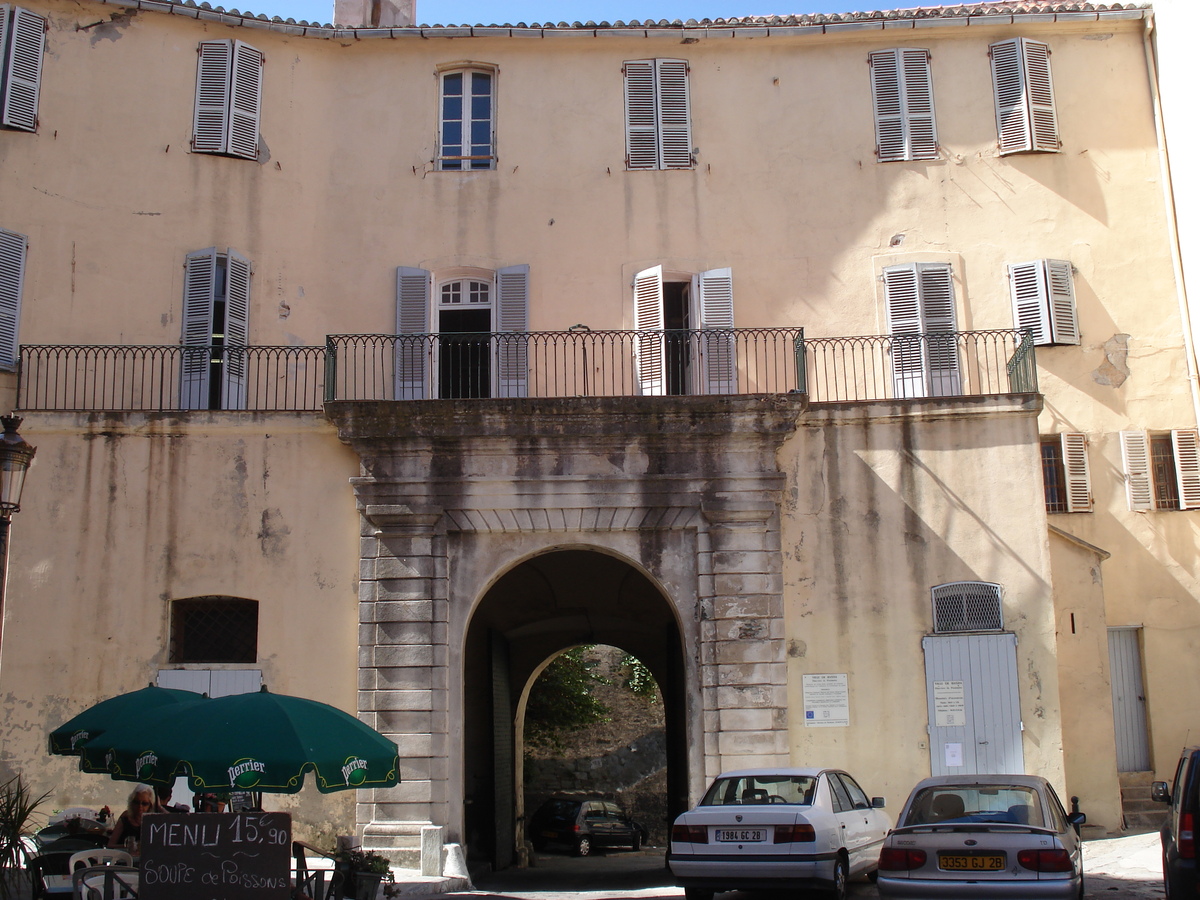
<point>214,630</point>
<point>1054,476</point>
<point>1162,464</point>
<point>967,606</point>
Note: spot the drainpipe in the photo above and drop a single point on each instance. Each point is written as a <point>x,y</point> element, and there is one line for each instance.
<point>1185,315</point>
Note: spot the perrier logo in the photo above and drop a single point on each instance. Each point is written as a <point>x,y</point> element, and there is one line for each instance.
<point>354,772</point>
<point>146,764</point>
<point>246,773</point>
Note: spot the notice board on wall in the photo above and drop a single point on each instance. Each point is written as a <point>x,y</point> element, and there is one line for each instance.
<point>216,856</point>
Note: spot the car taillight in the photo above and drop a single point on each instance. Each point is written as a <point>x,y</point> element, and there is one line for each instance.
<point>899,859</point>
<point>689,834</point>
<point>1187,837</point>
<point>1045,860</point>
<point>794,834</point>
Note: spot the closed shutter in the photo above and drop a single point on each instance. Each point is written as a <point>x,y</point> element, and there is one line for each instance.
<point>1039,87</point>
<point>13,249</point>
<point>1135,453</point>
<point>717,346</point>
<point>921,320</point>
<point>888,101</point>
<point>641,118</point>
<point>902,91</point>
<point>512,321</point>
<point>210,119</point>
<point>199,293</point>
<point>1024,96</point>
<point>904,325</point>
<point>245,101</point>
<point>1187,467</point>
<point>649,356</point>
<point>674,114</point>
<point>412,330</point>
<point>237,330</point>
<point>25,44</point>
<point>1075,469</point>
<point>918,97</point>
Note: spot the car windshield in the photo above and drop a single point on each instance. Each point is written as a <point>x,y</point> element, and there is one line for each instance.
<point>744,790</point>
<point>971,803</point>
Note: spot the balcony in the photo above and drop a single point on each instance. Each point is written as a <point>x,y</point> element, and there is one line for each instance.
<point>560,364</point>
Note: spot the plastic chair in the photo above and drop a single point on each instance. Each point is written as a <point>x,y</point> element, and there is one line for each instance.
<point>84,859</point>
<point>116,883</point>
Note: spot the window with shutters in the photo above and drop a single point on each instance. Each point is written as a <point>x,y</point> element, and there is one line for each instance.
<point>658,126</point>
<point>921,321</point>
<point>967,606</point>
<point>902,94</point>
<point>22,48</point>
<point>685,342</point>
<point>467,131</point>
<point>1162,470</point>
<point>1065,474</point>
<point>1043,300</point>
<point>216,314</point>
<point>214,630</point>
<point>13,249</point>
<point>1023,91</point>
<point>229,81</point>
<point>478,345</point>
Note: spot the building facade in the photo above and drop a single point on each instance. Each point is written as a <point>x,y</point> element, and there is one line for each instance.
<point>837,367</point>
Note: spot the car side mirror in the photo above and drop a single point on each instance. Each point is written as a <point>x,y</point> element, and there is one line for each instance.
<point>878,803</point>
<point>1160,791</point>
<point>1076,819</point>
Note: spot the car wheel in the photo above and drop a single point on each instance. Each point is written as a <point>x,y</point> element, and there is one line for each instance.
<point>583,846</point>
<point>840,878</point>
<point>697,894</point>
<point>637,840</point>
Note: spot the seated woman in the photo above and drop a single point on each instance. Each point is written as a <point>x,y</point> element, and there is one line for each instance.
<point>129,823</point>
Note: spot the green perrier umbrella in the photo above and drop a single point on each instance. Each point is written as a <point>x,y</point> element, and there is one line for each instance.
<point>248,742</point>
<point>68,739</point>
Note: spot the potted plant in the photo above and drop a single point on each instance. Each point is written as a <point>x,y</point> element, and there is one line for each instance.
<point>17,809</point>
<point>362,872</point>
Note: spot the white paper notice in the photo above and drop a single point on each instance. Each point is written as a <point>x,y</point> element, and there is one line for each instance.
<point>953,755</point>
<point>826,701</point>
<point>949,704</point>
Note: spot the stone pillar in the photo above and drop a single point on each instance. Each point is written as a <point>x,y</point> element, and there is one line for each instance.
<point>402,669</point>
<point>742,642</point>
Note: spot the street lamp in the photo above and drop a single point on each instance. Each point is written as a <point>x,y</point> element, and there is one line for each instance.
<point>15,455</point>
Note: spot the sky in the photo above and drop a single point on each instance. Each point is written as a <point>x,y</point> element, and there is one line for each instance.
<point>490,12</point>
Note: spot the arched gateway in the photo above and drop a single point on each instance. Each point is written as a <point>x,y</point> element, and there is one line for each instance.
<point>496,533</point>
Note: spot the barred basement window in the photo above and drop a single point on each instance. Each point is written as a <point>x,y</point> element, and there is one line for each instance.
<point>214,630</point>
<point>967,606</point>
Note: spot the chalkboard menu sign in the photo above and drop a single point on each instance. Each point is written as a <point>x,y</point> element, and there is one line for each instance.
<point>216,856</point>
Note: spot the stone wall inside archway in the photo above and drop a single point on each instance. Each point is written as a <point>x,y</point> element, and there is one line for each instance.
<point>453,495</point>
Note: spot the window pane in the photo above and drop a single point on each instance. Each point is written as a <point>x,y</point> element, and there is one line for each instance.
<point>1162,465</point>
<point>214,630</point>
<point>481,85</point>
<point>452,85</point>
<point>452,109</point>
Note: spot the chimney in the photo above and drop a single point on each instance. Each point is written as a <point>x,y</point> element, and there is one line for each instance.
<point>374,13</point>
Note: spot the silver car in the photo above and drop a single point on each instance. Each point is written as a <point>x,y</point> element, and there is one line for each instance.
<point>777,828</point>
<point>983,836</point>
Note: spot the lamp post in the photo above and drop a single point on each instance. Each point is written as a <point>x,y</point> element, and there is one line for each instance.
<point>15,455</point>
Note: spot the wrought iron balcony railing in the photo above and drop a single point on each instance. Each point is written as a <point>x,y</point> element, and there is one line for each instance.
<point>574,363</point>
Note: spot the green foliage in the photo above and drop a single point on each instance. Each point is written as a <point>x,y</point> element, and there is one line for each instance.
<point>562,700</point>
<point>17,809</point>
<point>359,860</point>
<point>638,679</point>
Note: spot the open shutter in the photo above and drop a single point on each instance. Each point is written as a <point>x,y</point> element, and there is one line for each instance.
<point>918,104</point>
<point>717,347</point>
<point>1186,444</point>
<point>1060,286</point>
<point>1075,468</point>
<point>245,101</point>
<point>210,119</point>
<point>199,293</point>
<point>1039,89</point>
<point>26,45</point>
<point>237,330</point>
<point>649,356</point>
<point>641,118</point>
<point>512,321</point>
<point>1135,454</point>
<point>13,249</point>
<point>412,329</point>
<point>1008,86</point>
<point>936,284</point>
<point>1027,288</point>
<point>674,114</point>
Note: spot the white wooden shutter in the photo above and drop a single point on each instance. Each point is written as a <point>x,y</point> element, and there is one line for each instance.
<point>210,119</point>
<point>237,330</point>
<point>1186,443</point>
<point>25,44</point>
<point>199,293</point>
<point>412,318</point>
<point>13,249</point>
<point>649,356</point>
<point>717,347</point>
<point>512,321</point>
<point>887,97</point>
<point>1135,454</point>
<point>674,114</point>
<point>918,103</point>
<point>1060,286</point>
<point>641,116</point>
<point>921,320</point>
<point>941,339</point>
<point>1039,87</point>
<point>1024,96</point>
<point>245,101</point>
<point>1043,299</point>
<point>1075,468</point>
<point>902,91</point>
<point>904,319</point>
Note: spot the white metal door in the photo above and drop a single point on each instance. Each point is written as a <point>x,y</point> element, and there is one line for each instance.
<point>974,707</point>
<point>1128,699</point>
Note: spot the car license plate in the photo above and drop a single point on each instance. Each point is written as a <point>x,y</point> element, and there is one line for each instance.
<point>973,863</point>
<point>741,835</point>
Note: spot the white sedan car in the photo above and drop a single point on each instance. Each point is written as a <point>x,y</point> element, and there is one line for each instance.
<point>777,828</point>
